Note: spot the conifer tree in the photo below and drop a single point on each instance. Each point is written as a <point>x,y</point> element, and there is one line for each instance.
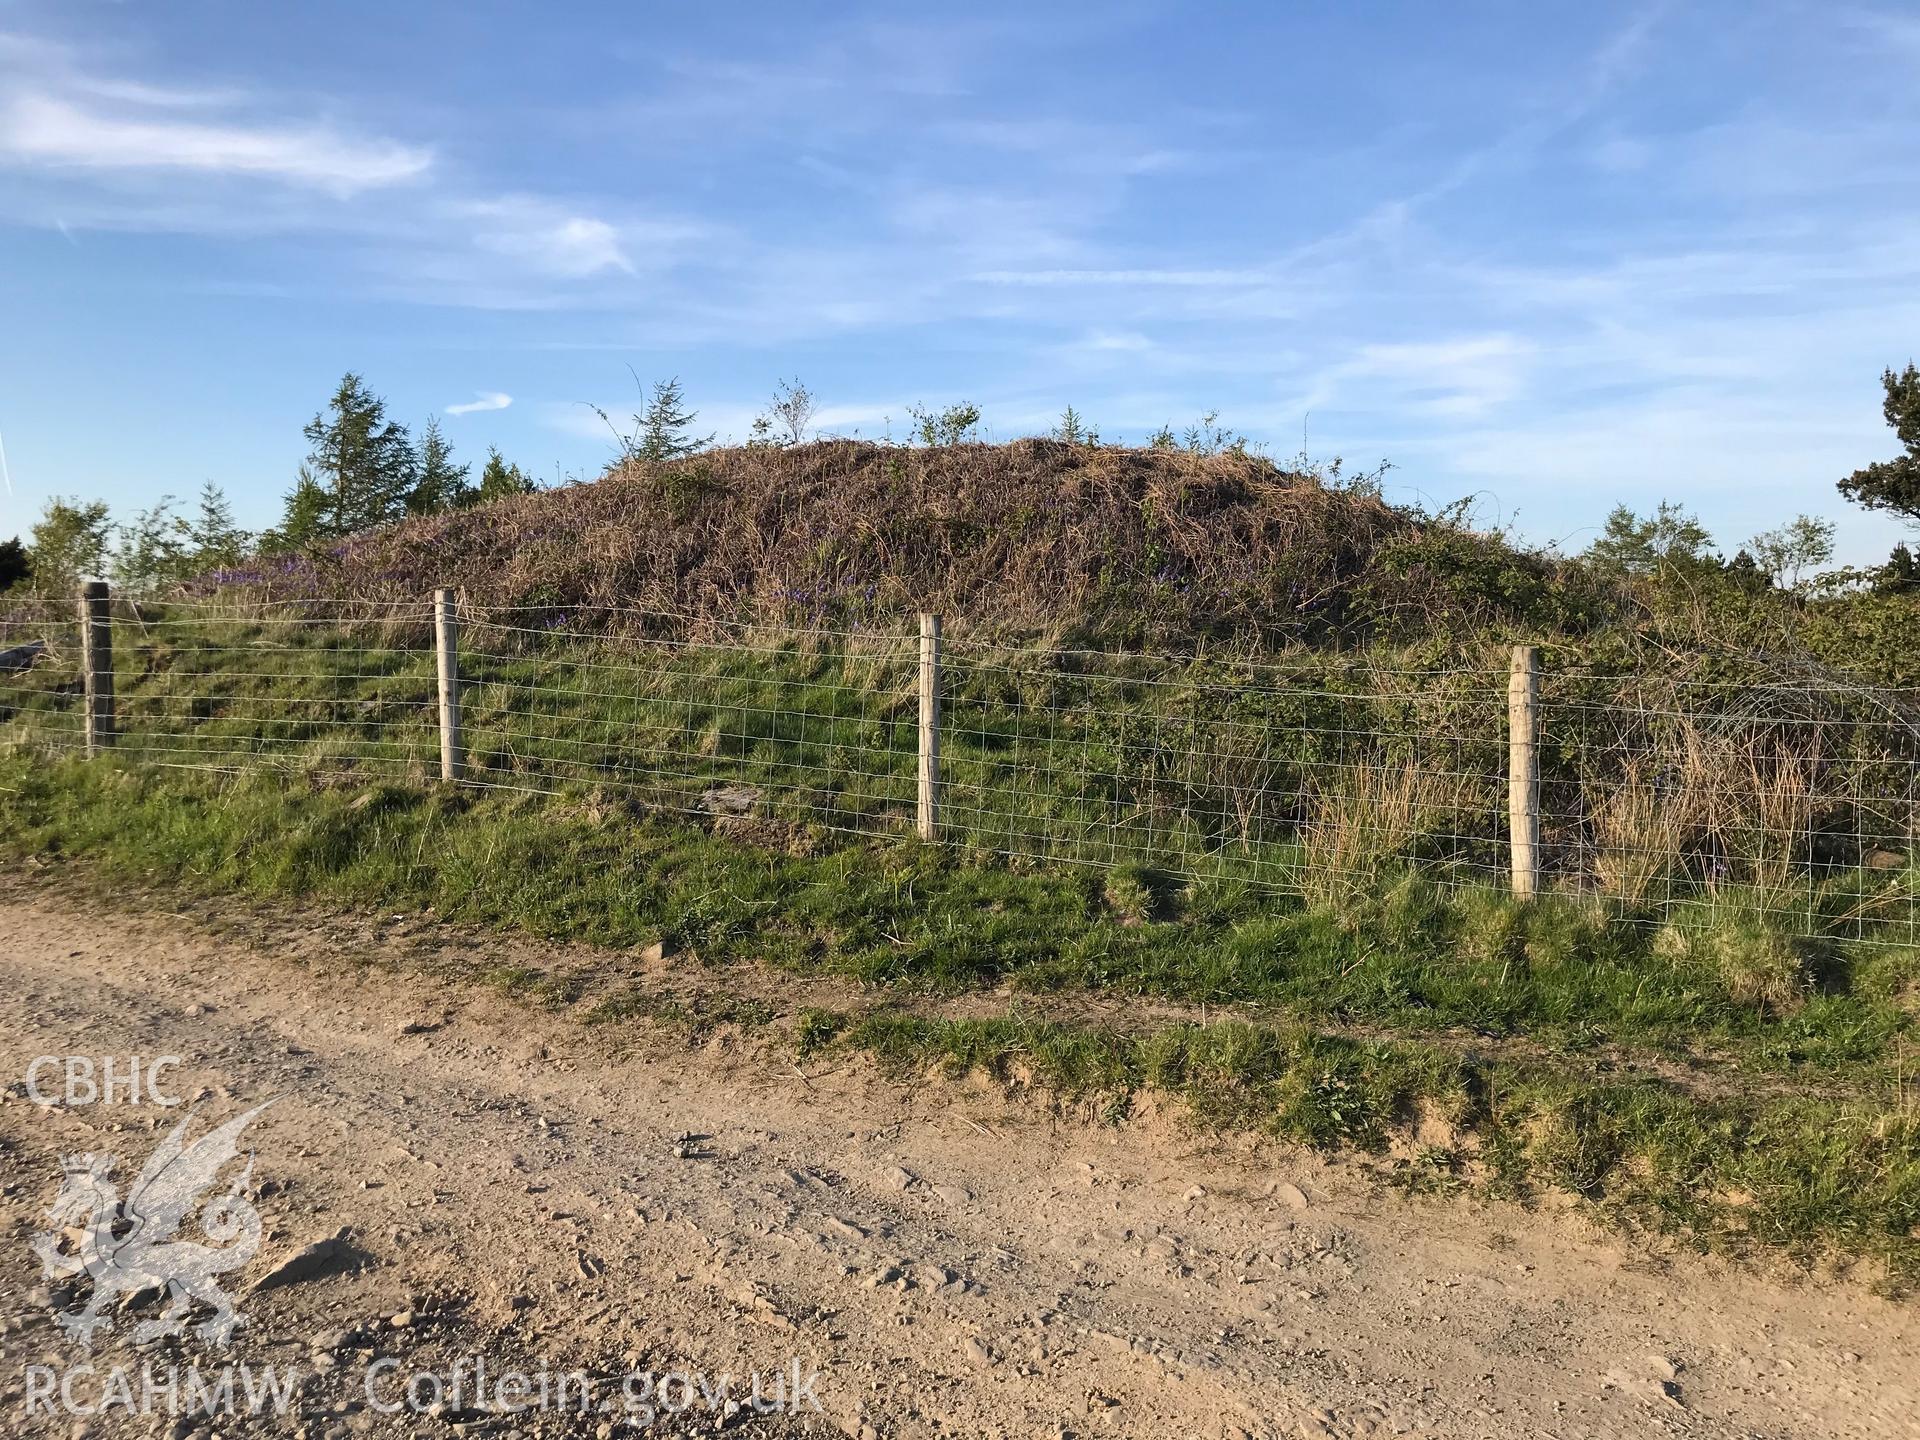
<point>498,479</point>
<point>215,539</point>
<point>440,484</point>
<point>362,461</point>
<point>665,425</point>
<point>1894,484</point>
<point>305,519</point>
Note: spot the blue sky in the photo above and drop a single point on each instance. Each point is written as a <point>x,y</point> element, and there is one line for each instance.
<point>1550,256</point>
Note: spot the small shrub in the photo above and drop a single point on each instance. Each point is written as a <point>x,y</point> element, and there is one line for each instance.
<point>1434,1170</point>
<point>1328,1103</point>
<point>954,425</point>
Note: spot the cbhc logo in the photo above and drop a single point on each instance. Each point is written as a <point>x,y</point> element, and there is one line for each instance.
<point>113,1080</point>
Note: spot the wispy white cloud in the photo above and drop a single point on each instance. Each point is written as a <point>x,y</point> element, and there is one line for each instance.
<point>488,400</point>
<point>1181,279</point>
<point>1620,155</point>
<point>44,130</point>
<point>1517,146</point>
<point>1108,342</point>
<point>1082,147</point>
<point>847,79</point>
<point>988,226</point>
<point>1622,53</point>
<point>570,243</point>
<point>140,92</point>
<point>1881,29</point>
<point>1742,463</point>
<point>85,150</point>
<point>584,245</point>
<point>1453,378</point>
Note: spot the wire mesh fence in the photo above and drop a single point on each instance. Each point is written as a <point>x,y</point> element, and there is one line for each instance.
<point>810,728</point>
<point>1295,777</point>
<point>1792,794</point>
<point>40,678</point>
<point>1716,785</point>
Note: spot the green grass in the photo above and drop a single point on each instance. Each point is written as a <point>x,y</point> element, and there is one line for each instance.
<point>1560,973</point>
<point>1751,1160</point>
<point>1716,1072</point>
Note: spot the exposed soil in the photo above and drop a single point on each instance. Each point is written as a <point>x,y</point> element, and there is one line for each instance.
<point>952,1259</point>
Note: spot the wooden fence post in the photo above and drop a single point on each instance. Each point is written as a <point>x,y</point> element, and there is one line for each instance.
<point>929,727</point>
<point>1523,770</point>
<point>96,651</point>
<point>446,636</point>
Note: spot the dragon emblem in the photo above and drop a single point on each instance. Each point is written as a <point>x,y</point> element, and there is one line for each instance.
<point>127,1247</point>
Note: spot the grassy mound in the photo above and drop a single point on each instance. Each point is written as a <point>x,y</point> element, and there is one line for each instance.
<point>1315,838</point>
<point>1072,542</point>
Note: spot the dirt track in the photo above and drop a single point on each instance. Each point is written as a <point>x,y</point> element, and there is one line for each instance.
<point>953,1261</point>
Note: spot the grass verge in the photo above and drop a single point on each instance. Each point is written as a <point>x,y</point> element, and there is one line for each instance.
<point>1806,1176</point>
<point>1463,1040</point>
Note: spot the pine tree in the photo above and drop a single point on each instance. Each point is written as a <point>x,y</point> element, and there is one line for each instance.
<point>1074,430</point>
<point>216,540</point>
<point>305,519</point>
<point>363,461</point>
<point>1899,576</point>
<point>1668,540</point>
<point>1894,484</point>
<point>440,485</point>
<point>498,479</point>
<point>663,429</point>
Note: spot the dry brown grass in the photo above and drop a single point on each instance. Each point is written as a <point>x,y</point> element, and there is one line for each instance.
<point>1717,794</point>
<point>1370,820</point>
<point>1772,808</point>
<point>1747,800</point>
<point>1035,537</point>
<point>1739,808</point>
<point>1639,835</point>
